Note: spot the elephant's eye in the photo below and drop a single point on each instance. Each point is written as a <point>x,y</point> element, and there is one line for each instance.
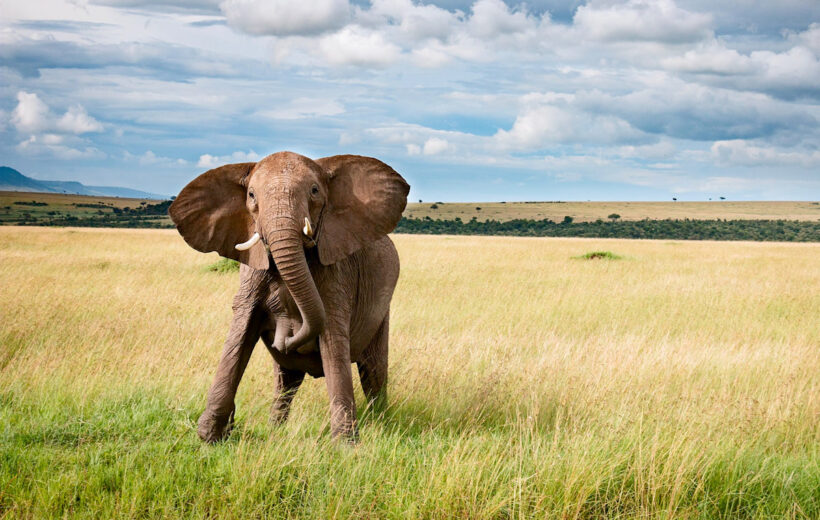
<point>314,190</point>
<point>252,195</point>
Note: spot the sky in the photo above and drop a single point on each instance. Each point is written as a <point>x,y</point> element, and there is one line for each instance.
<point>469,100</point>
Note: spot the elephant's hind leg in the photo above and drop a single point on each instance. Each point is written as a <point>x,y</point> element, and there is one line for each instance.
<point>287,383</point>
<point>373,367</point>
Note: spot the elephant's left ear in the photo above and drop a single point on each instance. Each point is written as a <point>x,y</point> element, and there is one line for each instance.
<point>364,203</point>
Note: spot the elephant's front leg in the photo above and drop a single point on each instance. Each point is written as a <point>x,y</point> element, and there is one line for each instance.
<point>334,345</point>
<point>217,420</point>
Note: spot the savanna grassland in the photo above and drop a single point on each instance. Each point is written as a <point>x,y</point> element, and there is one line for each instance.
<point>55,209</point>
<point>592,211</point>
<point>679,381</point>
<point>13,206</point>
<point>14,203</point>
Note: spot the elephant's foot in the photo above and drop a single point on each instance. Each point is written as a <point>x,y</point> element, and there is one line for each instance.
<point>279,412</point>
<point>213,428</point>
<point>343,425</point>
<point>345,435</point>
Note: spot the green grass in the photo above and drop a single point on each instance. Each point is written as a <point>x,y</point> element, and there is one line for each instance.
<point>129,453</point>
<point>223,266</point>
<point>599,255</point>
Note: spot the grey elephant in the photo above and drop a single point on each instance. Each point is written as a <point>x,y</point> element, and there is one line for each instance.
<point>316,278</point>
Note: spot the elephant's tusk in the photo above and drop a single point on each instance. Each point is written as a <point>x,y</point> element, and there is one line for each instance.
<point>244,246</point>
<point>308,229</point>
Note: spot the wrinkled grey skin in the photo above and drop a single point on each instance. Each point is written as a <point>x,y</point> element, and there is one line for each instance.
<point>318,303</point>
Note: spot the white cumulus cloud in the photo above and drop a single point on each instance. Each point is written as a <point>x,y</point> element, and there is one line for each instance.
<point>435,145</point>
<point>31,115</point>
<point>213,161</point>
<point>642,20</point>
<point>414,21</point>
<point>493,18</point>
<point>540,126</point>
<point>285,18</point>
<point>77,121</point>
<point>358,46</point>
<point>46,134</point>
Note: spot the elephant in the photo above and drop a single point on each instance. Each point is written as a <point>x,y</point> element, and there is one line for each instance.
<point>317,274</point>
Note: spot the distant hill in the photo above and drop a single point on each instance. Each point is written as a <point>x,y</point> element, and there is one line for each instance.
<point>12,180</point>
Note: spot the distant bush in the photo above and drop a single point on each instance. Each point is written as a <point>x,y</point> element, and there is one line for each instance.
<point>223,266</point>
<point>599,255</point>
<point>29,203</point>
<point>146,216</point>
<point>98,205</point>
<point>434,206</point>
<point>669,229</point>
<point>613,217</point>
<point>567,220</point>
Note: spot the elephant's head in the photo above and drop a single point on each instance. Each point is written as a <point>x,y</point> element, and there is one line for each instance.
<point>287,202</point>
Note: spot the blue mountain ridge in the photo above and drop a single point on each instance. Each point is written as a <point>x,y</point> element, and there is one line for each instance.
<point>13,180</point>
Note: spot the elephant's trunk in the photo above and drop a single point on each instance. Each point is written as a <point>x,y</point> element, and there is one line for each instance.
<point>289,256</point>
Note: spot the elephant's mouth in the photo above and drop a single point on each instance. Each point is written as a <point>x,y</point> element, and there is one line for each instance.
<point>307,239</point>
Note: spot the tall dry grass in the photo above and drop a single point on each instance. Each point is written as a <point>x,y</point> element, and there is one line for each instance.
<point>681,381</point>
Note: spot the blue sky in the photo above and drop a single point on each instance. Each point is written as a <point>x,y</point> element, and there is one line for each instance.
<point>470,101</point>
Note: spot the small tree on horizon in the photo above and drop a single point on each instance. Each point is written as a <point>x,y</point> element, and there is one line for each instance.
<point>613,217</point>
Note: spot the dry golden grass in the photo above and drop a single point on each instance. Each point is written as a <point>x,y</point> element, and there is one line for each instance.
<point>682,381</point>
<point>591,211</point>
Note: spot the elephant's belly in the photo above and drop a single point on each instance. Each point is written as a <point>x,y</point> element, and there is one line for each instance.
<point>310,360</point>
<point>310,363</point>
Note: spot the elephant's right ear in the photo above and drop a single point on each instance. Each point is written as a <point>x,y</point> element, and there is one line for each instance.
<point>211,215</point>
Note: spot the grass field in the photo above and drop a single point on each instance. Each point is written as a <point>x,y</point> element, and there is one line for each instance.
<point>66,205</point>
<point>679,381</point>
<point>13,203</point>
